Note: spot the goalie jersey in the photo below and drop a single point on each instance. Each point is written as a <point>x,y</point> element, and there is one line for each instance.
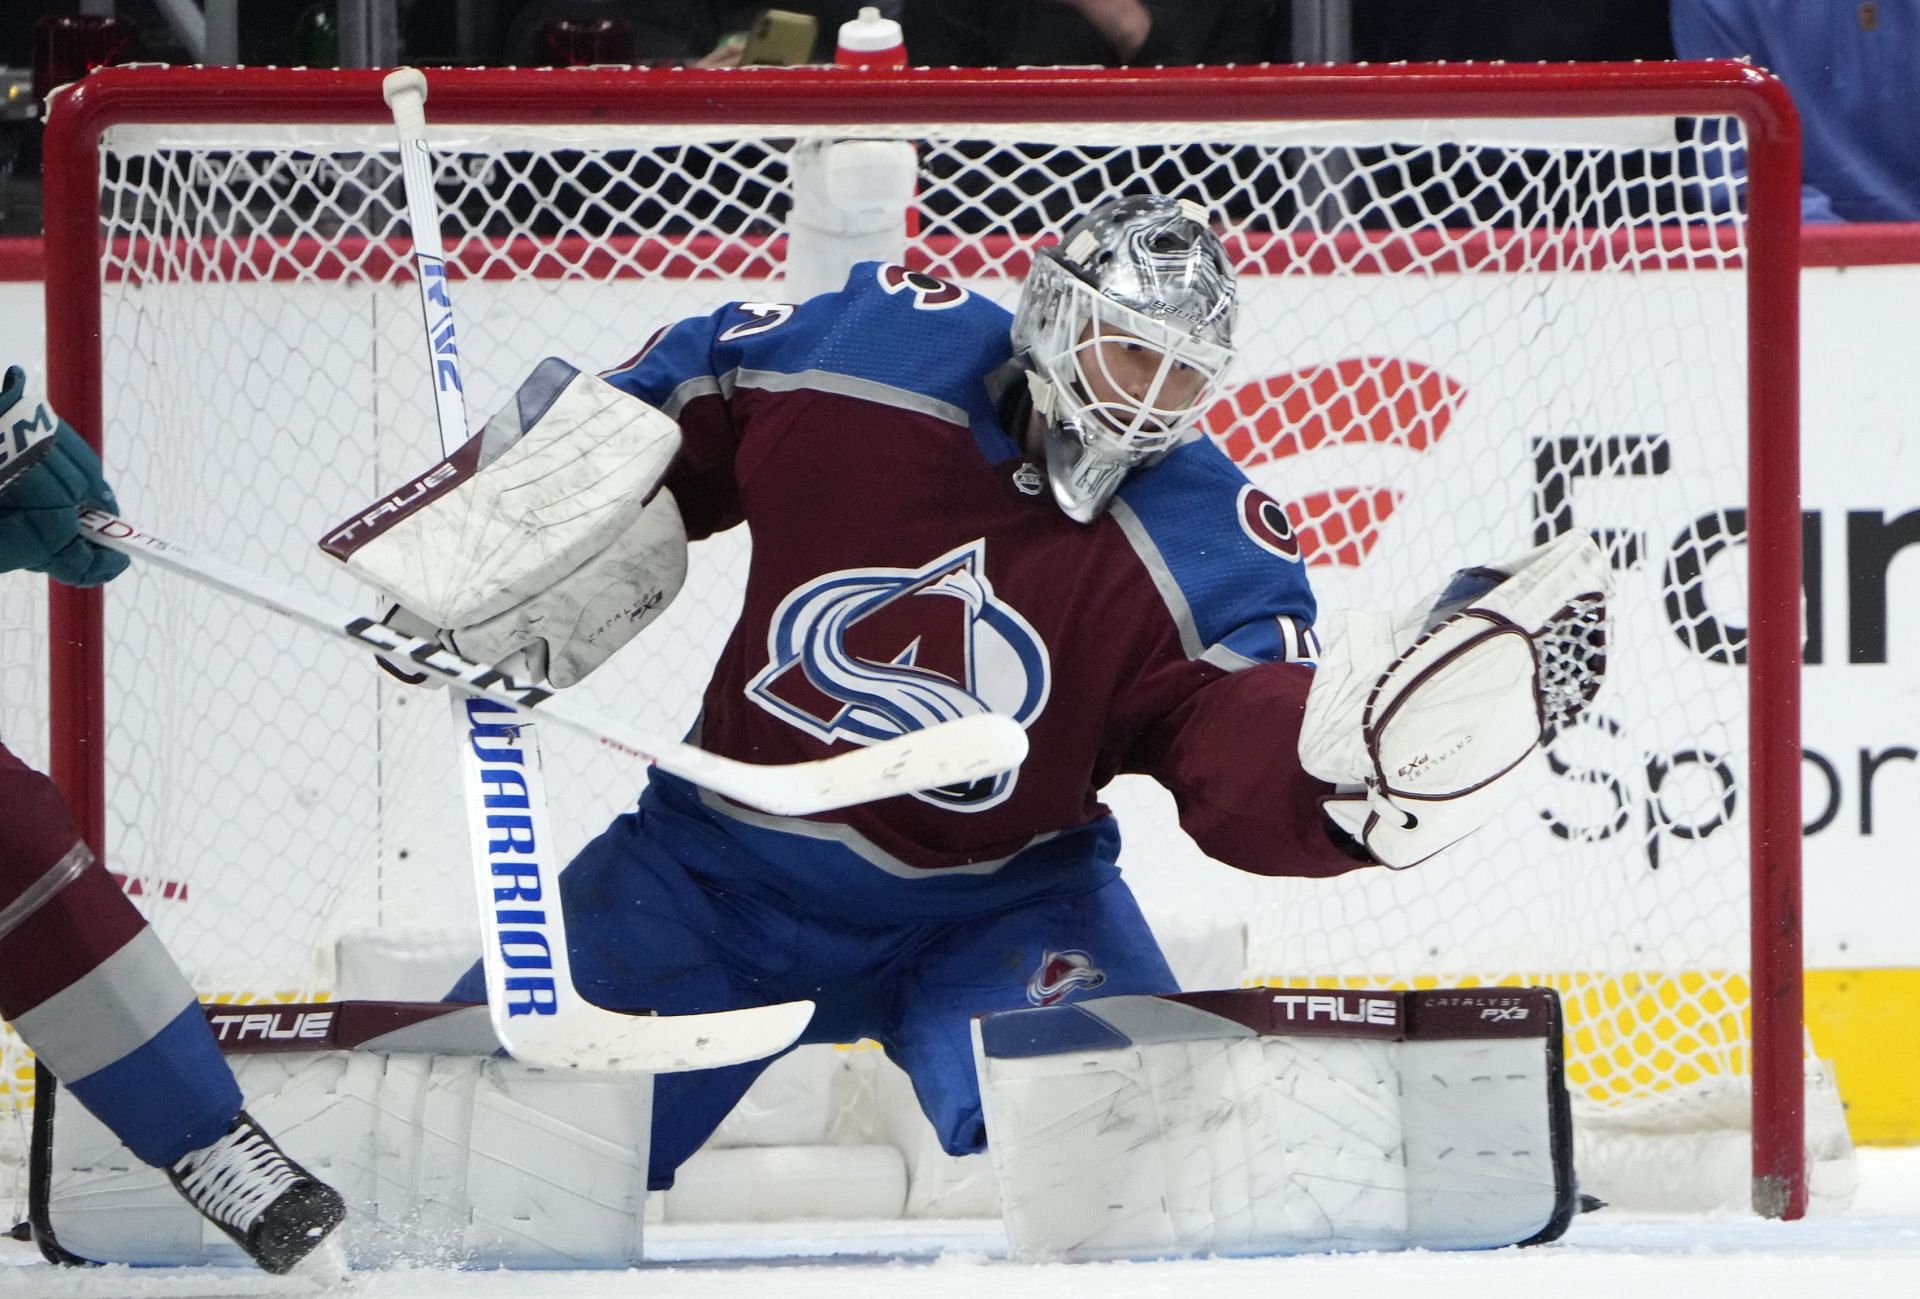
<point>909,566</point>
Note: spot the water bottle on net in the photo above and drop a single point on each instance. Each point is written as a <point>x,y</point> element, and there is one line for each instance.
<point>870,40</point>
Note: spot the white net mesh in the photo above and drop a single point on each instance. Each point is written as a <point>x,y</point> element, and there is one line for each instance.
<point>1457,342</point>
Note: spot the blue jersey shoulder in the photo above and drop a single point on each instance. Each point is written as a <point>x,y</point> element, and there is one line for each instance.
<point>899,337</point>
<point>1225,556</point>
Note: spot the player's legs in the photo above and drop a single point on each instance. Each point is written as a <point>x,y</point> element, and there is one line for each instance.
<point>88,986</point>
<point>1039,953</point>
<point>648,929</point>
<point>646,933</point>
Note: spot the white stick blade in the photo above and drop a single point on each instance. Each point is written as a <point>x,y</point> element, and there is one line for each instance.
<point>951,753</point>
<point>586,1037</point>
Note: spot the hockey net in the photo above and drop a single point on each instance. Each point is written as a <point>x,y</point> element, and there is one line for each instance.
<point>1480,307</point>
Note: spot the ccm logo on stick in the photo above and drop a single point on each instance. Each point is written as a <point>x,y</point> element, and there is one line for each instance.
<point>1339,1008</point>
<point>437,659</point>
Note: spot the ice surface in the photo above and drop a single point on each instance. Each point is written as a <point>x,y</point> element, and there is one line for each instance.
<point>1872,1250</point>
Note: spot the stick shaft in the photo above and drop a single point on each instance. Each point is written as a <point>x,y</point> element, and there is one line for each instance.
<point>406,96</point>
<point>538,933</point>
<point>947,754</point>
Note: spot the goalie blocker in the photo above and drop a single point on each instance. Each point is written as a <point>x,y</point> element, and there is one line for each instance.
<point>548,531</point>
<point>1272,1121</point>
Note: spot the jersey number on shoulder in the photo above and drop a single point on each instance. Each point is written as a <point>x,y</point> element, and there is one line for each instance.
<point>761,316</point>
<point>929,294</point>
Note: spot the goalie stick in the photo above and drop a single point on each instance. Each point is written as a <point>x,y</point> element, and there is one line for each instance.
<point>405,92</point>
<point>537,1012</point>
<point>544,989</point>
<point>568,1031</point>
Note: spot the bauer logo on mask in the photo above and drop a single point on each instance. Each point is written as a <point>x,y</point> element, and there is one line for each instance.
<point>866,654</point>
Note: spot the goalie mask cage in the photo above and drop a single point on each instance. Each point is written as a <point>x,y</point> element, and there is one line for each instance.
<point>1481,305</point>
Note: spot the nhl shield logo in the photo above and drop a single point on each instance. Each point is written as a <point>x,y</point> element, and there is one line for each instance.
<point>866,654</point>
<point>1060,974</point>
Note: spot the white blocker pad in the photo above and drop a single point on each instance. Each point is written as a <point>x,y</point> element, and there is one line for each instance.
<point>445,1153</point>
<point>553,479</point>
<point>1267,1121</point>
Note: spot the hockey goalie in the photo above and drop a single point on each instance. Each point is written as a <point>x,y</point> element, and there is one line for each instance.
<point>958,510</point>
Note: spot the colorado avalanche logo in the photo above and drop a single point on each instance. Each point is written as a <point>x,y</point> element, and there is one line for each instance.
<point>870,653</point>
<point>1060,973</point>
<point>1262,519</point>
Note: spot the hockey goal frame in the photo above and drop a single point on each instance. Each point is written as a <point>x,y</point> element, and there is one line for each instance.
<point>81,114</point>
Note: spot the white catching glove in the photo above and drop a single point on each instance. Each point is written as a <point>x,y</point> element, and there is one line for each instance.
<point>1424,718</point>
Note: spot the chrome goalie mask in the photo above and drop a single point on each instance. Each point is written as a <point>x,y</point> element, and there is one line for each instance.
<point>1126,332</point>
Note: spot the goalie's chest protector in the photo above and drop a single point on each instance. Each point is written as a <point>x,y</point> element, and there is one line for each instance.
<point>909,566</point>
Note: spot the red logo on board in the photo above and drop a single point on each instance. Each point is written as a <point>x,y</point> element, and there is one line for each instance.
<point>1384,401</point>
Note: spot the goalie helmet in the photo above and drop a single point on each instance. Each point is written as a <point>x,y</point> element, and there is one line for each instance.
<point>1125,330</point>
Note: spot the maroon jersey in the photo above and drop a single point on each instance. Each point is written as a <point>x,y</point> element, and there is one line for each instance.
<point>908,566</point>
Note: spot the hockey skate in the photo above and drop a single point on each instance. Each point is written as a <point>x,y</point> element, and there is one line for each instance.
<point>245,1185</point>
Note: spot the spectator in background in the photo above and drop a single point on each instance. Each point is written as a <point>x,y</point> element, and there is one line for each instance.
<point>1450,31</point>
<point>653,29</point>
<point>1854,72</point>
<point>1139,33</point>
<point>1515,181</point>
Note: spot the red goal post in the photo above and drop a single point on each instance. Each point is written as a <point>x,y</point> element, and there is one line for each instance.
<point>1157,104</point>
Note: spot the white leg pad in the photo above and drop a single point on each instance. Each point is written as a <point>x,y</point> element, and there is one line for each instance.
<point>448,1160</point>
<point>1142,1127</point>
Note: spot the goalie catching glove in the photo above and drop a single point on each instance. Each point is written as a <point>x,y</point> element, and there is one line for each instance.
<point>1425,719</point>
<point>547,532</point>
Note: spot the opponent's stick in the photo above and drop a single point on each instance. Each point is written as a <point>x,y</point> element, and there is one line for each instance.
<point>525,931</point>
<point>946,753</point>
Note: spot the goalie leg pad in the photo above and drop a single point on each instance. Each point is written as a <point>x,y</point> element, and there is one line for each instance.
<point>1270,1122</point>
<point>446,1158</point>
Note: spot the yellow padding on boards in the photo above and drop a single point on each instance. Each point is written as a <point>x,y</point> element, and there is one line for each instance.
<point>1867,1022</point>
